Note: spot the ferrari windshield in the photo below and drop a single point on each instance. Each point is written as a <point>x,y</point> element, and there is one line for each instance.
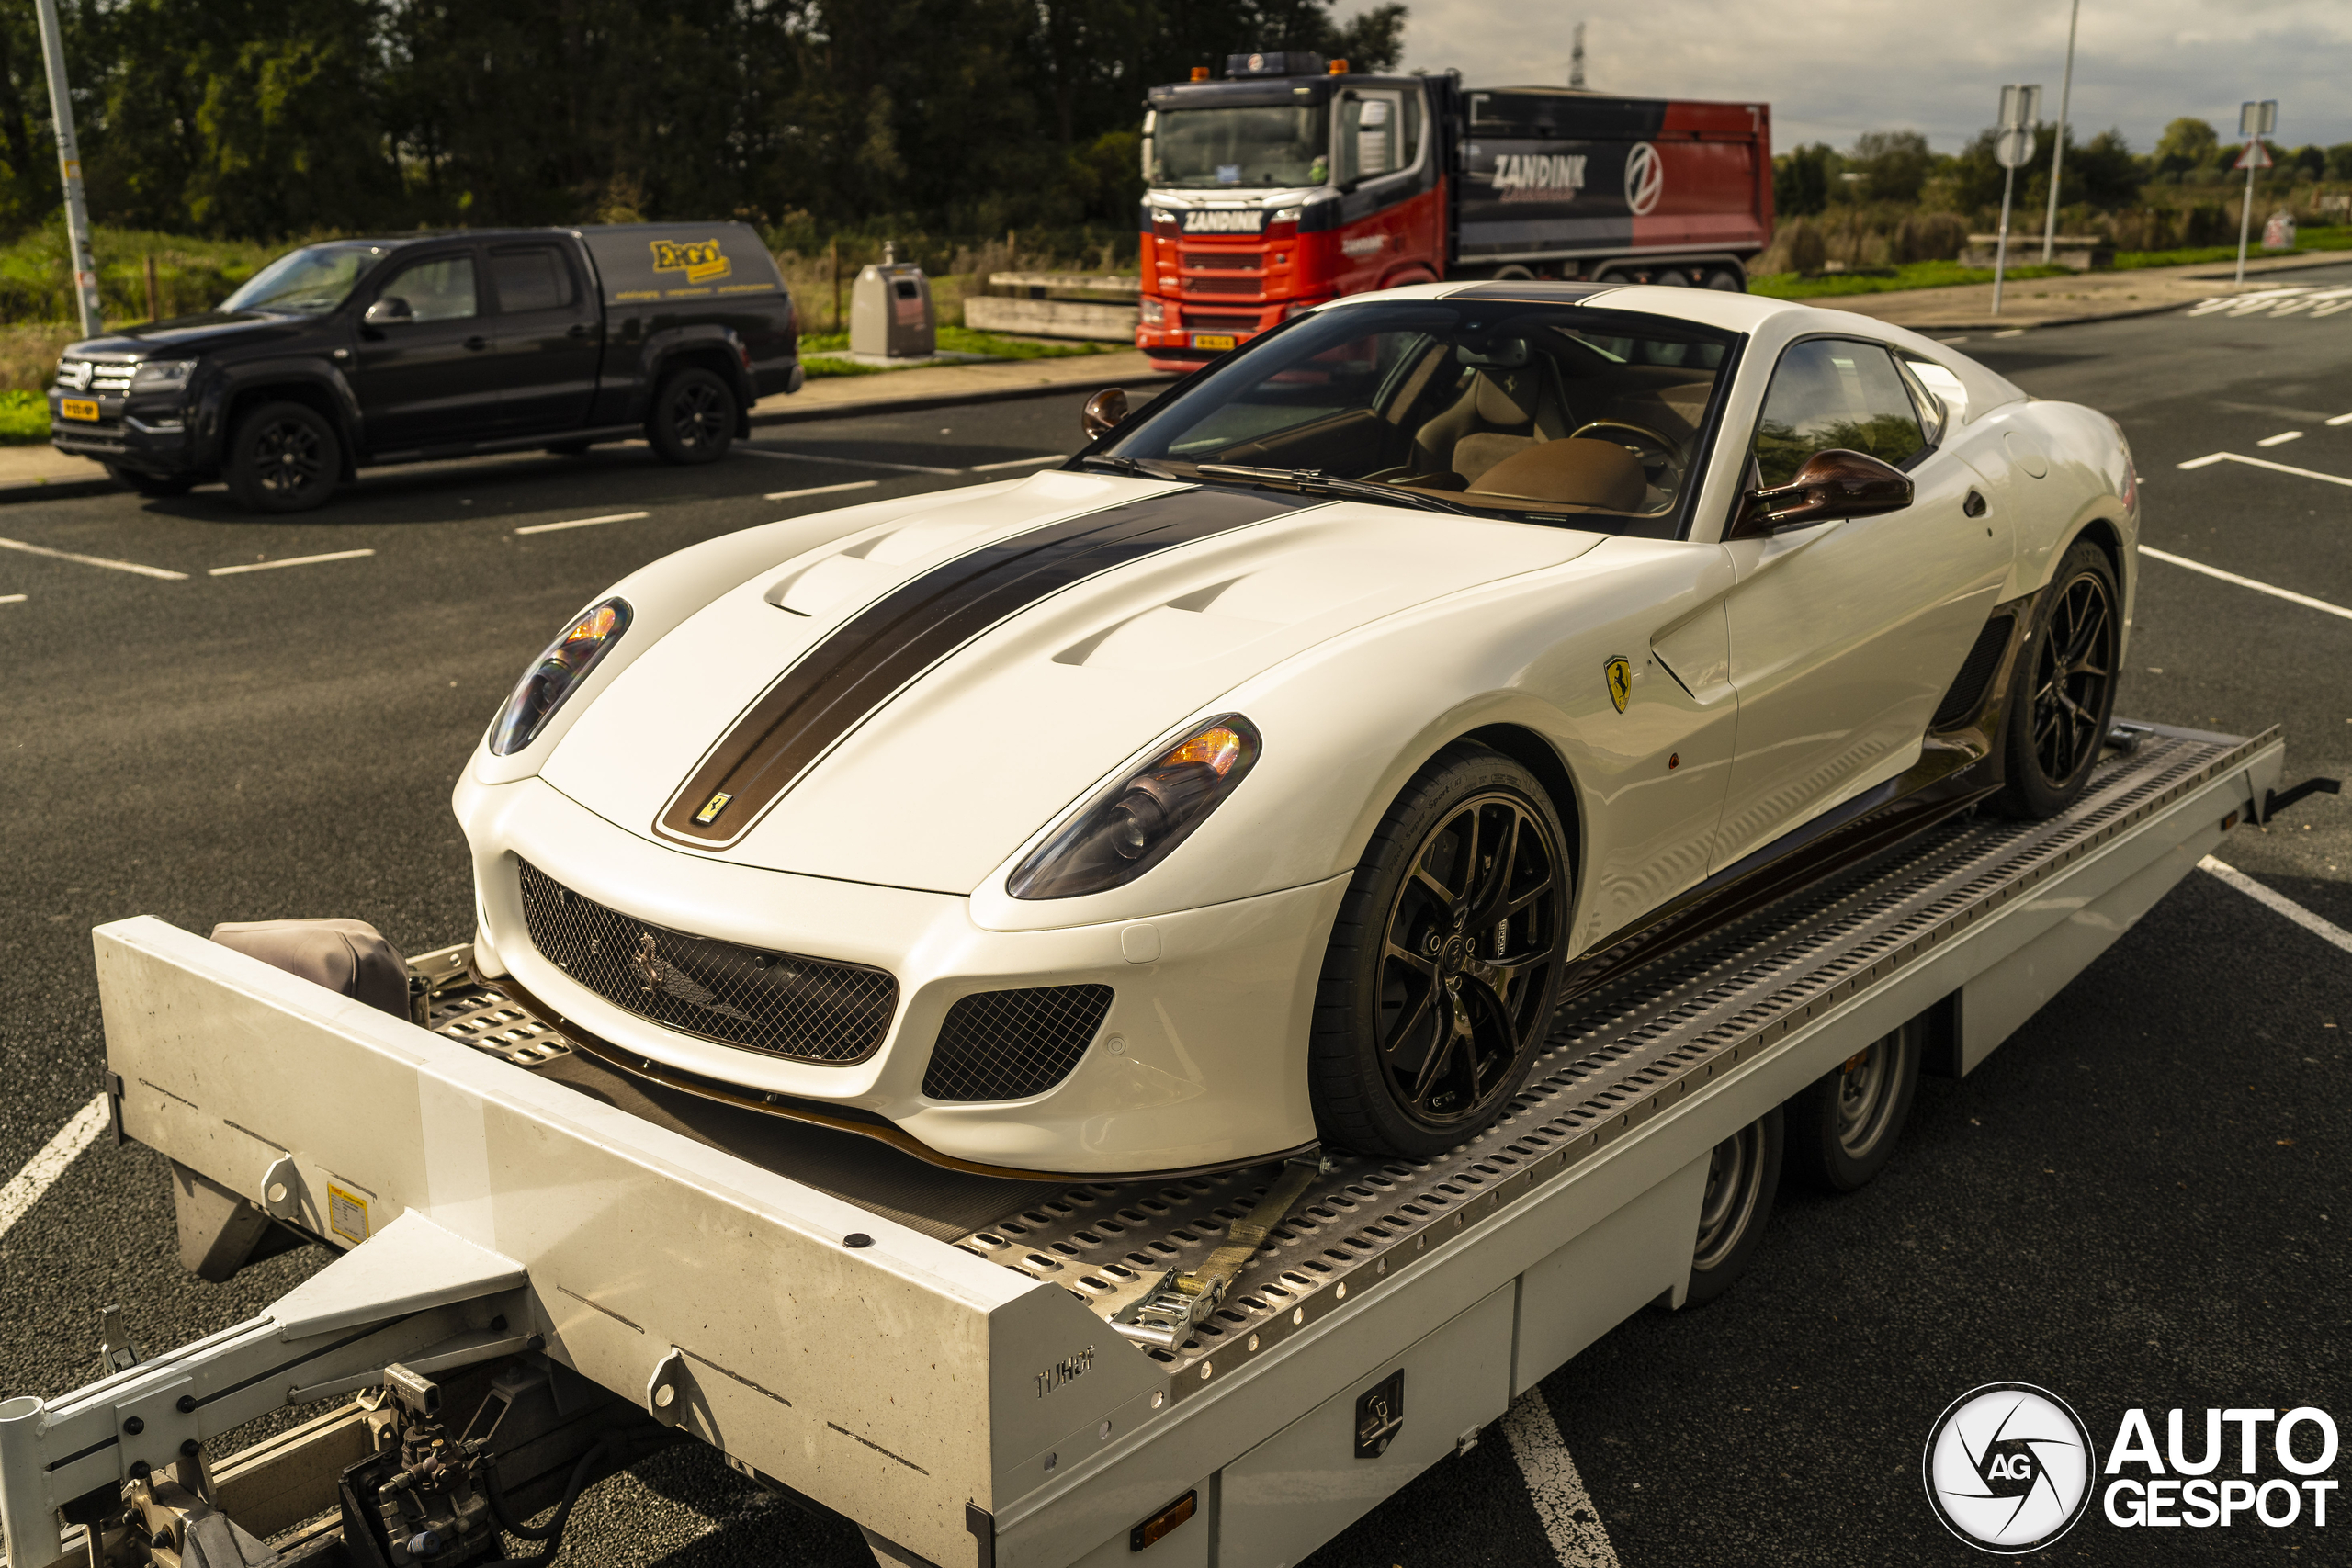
<point>1549,412</point>
<point>308,282</point>
<point>1263,147</point>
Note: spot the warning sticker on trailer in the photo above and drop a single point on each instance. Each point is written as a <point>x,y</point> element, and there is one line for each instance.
<point>346,1213</point>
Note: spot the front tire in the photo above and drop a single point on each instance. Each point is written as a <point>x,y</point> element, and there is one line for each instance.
<point>1742,1174</point>
<point>693,417</point>
<point>283,457</point>
<point>1445,964</point>
<point>2062,694</point>
<point>1843,1128</point>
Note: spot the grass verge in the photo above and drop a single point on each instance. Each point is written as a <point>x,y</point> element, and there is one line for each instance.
<point>1918,275</point>
<point>24,419</point>
<point>816,347</point>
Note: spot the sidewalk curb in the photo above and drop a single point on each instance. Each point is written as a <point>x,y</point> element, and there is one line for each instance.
<point>917,403</point>
<point>61,489</point>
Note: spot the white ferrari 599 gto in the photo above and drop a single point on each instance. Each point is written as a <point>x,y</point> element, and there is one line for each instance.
<point>1267,773</point>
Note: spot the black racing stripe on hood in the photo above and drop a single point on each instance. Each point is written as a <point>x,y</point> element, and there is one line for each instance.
<point>876,651</point>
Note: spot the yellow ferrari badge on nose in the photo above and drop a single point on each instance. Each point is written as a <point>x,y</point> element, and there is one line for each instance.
<point>1621,681</point>
<point>717,803</point>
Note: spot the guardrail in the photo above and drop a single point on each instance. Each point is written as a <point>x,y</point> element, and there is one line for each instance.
<point>1109,316</point>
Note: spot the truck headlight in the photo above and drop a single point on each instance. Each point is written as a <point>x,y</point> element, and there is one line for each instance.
<point>161,376</point>
<point>1131,826</point>
<point>556,674</point>
<point>1155,310</point>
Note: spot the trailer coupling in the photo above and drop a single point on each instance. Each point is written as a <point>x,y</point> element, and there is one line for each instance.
<point>1165,1315</point>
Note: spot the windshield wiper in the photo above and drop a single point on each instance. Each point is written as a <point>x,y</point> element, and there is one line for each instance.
<point>1142,468</point>
<point>1315,481</point>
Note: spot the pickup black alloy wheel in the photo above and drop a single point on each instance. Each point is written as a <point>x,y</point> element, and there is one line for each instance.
<point>1439,984</point>
<point>1742,1174</point>
<point>2062,694</point>
<point>1843,1128</point>
<point>693,419</point>
<point>283,457</point>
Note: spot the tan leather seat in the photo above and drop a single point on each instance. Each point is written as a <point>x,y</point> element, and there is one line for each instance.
<point>1502,412</point>
<point>1597,474</point>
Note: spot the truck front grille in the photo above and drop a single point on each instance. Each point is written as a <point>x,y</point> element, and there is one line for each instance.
<point>809,1009</point>
<point>1205,322</point>
<point>1012,1044</point>
<point>1222,285</point>
<point>1225,261</point>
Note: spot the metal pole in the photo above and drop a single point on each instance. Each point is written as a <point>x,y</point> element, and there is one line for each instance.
<point>69,164</point>
<point>2001,244</point>
<point>2058,149</point>
<point>2246,217</point>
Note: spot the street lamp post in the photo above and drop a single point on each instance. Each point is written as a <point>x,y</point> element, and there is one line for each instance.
<point>2058,145</point>
<point>69,164</point>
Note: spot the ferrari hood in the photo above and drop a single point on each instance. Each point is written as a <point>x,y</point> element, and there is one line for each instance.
<point>907,705</point>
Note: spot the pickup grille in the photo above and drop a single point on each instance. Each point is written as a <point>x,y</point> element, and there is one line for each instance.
<point>94,375</point>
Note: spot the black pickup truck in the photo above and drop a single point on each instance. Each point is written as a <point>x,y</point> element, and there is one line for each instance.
<point>359,351</point>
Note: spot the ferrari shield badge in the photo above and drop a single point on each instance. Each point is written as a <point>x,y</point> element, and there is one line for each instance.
<point>717,803</point>
<point>1621,681</point>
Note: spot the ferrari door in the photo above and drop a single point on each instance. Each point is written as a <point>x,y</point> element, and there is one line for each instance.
<point>1846,634</point>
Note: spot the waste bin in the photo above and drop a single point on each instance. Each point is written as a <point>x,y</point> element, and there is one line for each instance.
<point>889,311</point>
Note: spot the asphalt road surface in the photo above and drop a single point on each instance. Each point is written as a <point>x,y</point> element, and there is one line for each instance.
<point>2140,1201</point>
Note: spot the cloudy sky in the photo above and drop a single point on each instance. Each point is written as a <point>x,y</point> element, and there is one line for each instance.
<point>1832,69</point>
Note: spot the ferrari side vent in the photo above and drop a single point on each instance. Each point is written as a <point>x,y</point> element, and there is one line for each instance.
<point>1012,1044</point>
<point>1967,693</point>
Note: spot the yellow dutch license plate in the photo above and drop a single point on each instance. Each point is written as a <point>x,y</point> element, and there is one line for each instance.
<point>1213,340</point>
<point>80,408</point>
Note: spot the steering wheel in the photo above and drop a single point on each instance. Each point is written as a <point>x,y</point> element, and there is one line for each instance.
<point>1660,458</point>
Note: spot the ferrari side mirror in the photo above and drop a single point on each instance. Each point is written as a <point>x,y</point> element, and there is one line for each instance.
<point>1832,484</point>
<point>1103,410</point>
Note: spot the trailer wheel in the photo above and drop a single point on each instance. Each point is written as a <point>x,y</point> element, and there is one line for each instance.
<point>1730,279</point>
<point>1741,1176</point>
<point>693,417</point>
<point>1843,1128</point>
<point>283,457</point>
<point>1437,986</point>
<point>1514,273</point>
<point>2062,694</point>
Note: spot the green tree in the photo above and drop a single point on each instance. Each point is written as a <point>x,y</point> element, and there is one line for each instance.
<point>2104,173</point>
<point>2187,145</point>
<point>1894,165</point>
<point>1801,179</point>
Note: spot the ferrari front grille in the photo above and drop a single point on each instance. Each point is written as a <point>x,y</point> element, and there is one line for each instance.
<point>809,1009</point>
<point>1012,1044</point>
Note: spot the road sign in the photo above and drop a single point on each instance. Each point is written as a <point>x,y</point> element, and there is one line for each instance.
<point>2014,148</point>
<point>2257,119</point>
<point>2021,106</point>
<point>2255,156</point>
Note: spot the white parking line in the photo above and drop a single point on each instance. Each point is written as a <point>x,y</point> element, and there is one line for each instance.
<point>2012,332</point>
<point>11,598</point>
<point>2280,439</point>
<point>2327,930</point>
<point>1579,1539</point>
<point>585,522</point>
<point>93,560</point>
<point>1017,463</point>
<point>844,462</point>
<point>819,490</point>
<point>2341,419</point>
<point>42,1170</point>
<point>2303,598</point>
<point>290,560</point>
<point>2210,459</point>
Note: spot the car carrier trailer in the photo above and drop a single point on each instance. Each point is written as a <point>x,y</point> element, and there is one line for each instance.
<point>550,1267</point>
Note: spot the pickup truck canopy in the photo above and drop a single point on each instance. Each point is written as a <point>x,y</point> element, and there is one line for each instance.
<point>637,262</point>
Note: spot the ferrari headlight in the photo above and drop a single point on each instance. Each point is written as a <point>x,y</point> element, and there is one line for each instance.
<point>556,674</point>
<point>1131,826</point>
<point>160,375</point>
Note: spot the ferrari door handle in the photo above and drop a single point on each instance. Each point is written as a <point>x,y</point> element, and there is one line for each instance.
<point>477,343</point>
<point>1975,506</point>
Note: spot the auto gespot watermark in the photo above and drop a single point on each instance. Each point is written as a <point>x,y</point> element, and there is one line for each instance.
<point>2010,1468</point>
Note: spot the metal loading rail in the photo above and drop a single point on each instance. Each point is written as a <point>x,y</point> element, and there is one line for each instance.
<point>1618,1057</point>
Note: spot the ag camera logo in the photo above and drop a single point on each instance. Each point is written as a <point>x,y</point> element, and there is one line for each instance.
<point>2009,1468</point>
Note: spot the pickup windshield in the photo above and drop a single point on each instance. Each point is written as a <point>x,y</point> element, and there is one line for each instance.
<point>1265,148</point>
<point>1541,412</point>
<point>308,282</point>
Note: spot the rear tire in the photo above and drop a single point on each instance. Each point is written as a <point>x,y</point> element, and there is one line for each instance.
<point>693,419</point>
<point>1742,1174</point>
<point>283,457</point>
<point>155,487</point>
<point>1842,1129</point>
<point>2062,694</point>
<point>1731,280</point>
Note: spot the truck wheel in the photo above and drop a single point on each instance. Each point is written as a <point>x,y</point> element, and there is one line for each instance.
<point>283,457</point>
<point>155,486</point>
<point>1513,274</point>
<point>1731,280</point>
<point>1438,986</point>
<point>2062,694</point>
<point>693,419</point>
<point>1741,1176</point>
<point>1842,1130</point>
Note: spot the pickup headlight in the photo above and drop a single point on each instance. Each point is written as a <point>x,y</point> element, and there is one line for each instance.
<point>556,675</point>
<point>1131,826</point>
<point>161,376</point>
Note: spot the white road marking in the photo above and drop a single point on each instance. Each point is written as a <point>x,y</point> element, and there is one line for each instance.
<point>2013,331</point>
<point>1579,1539</point>
<point>844,462</point>
<point>1017,463</point>
<point>2212,458</point>
<point>1963,338</point>
<point>585,522</point>
<point>2280,439</point>
<point>819,490</point>
<point>2341,419</point>
<point>2327,930</point>
<point>2303,598</point>
<point>290,560</point>
<point>11,598</point>
<point>93,560</point>
<point>42,1170</point>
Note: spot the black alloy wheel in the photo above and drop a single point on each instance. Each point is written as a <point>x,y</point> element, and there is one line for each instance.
<point>693,419</point>
<point>1843,1128</point>
<point>1743,1172</point>
<point>1445,964</point>
<point>2062,696</point>
<point>284,457</point>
